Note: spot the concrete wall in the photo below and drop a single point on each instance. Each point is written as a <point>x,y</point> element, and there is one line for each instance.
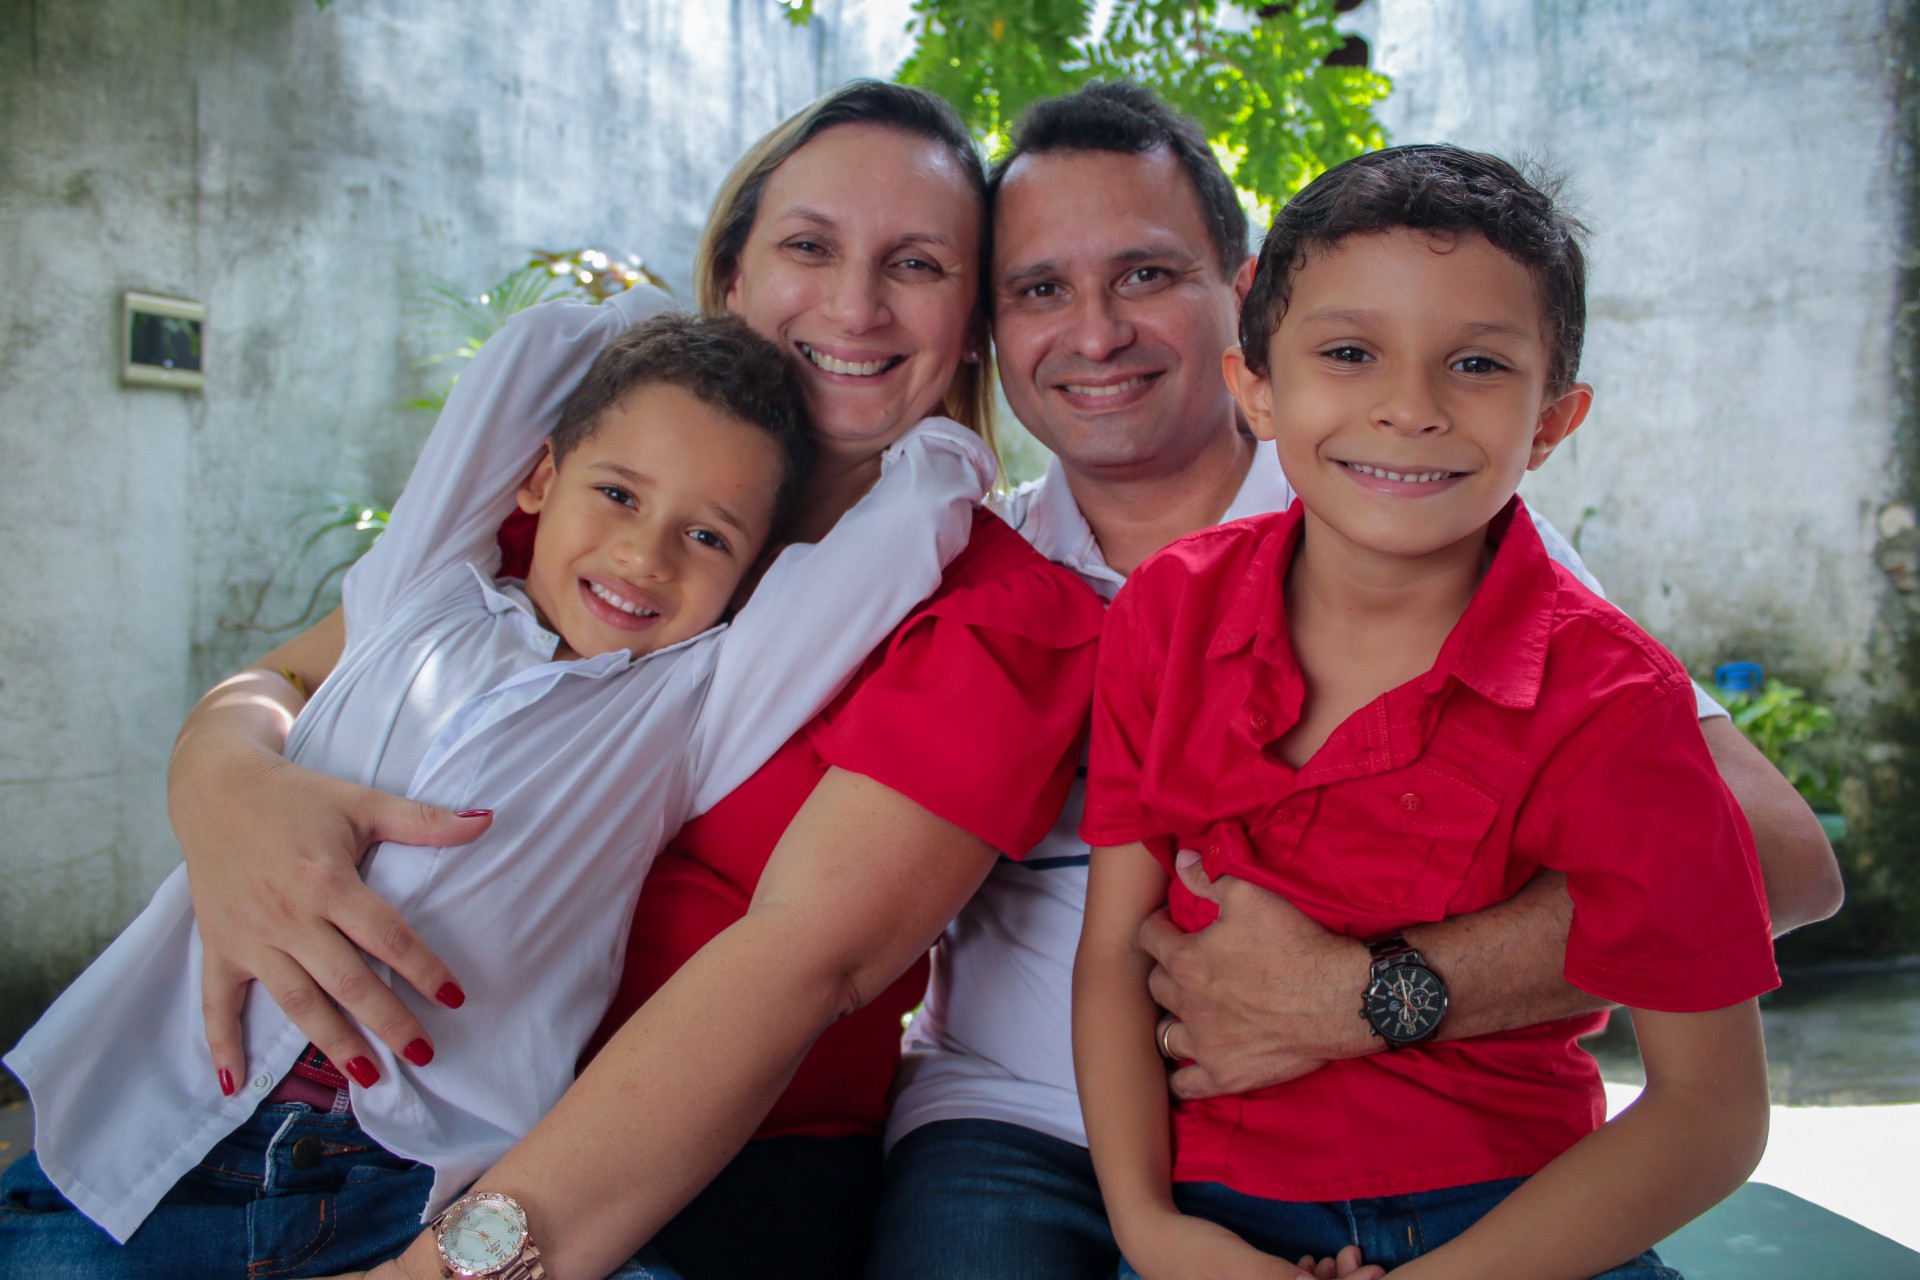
<point>302,172</point>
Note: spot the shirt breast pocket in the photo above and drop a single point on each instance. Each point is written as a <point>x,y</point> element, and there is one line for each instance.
<point>1404,842</point>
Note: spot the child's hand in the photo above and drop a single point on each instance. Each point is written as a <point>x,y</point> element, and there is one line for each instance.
<point>1186,1248</point>
<point>1343,1266</point>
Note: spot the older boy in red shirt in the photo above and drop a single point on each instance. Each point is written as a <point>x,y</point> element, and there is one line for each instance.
<point>1389,705</point>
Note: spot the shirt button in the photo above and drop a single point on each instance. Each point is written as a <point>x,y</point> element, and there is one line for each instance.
<point>307,1152</point>
<point>262,1082</point>
<point>1260,722</point>
<point>1412,803</point>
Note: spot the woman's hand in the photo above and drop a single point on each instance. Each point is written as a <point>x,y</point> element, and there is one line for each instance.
<point>1176,1245</point>
<point>272,856</point>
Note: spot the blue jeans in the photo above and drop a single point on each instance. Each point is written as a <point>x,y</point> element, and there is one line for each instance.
<point>985,1200</point>
<point>1390,1230</point>
<point>289,1193</point>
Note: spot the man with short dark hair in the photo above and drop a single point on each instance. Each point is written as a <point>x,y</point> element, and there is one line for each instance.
<point>1120,258</point>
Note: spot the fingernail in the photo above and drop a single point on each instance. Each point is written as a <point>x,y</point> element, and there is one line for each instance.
<point>364,1073</point>
<point>226,1082</point>
<point>474,813</point>
<point>450,995</point>
<point>1185,858</point>
<point>419,1053</point>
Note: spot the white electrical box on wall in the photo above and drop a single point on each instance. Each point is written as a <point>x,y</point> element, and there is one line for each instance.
<point>162,342</point>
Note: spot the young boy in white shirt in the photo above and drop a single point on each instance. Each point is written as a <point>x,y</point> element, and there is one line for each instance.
<point>594,708</point>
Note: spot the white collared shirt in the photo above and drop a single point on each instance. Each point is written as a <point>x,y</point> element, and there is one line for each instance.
<point>994,1039</point>
<point>447,692</point>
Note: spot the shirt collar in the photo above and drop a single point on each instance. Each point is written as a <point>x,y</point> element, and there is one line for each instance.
<point>1498,648</point>
<point>1044,512</point>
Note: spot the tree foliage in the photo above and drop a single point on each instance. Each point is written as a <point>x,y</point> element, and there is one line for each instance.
<point>1255,78</point>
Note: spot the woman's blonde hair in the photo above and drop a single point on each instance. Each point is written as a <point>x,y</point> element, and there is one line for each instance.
<point>969,397</point>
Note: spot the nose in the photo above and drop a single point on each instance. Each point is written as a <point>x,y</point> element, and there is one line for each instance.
<point>646,551</point>
<point>1411,405</point>
<point>1099,327</point>
<point>857,299</point>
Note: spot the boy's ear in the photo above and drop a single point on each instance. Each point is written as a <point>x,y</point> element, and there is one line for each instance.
<point>533,490</point>
<point>1252,391</point>
<point>1558,421</point>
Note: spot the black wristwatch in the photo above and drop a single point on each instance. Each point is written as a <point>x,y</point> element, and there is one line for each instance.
<point>1405,999</point>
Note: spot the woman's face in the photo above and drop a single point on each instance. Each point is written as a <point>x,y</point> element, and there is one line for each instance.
<point>863,263</point>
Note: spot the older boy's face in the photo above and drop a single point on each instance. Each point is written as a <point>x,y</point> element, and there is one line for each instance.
<point>649,525</point>
<point>1110,311</point>
<point>1407,389</point>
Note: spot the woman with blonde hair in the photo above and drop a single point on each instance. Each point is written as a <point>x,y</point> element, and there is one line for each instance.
<point>854,238</point>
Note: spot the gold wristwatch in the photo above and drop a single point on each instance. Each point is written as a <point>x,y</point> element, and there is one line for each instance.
<point>484,1234</point>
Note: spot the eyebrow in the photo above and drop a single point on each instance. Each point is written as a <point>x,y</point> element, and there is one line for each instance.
<point>1477,329</point>
<point>1157,251</point>
<point>821,219</point>
<point>635,480</point>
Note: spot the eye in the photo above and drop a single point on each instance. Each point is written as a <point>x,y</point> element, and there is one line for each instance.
<point>1477,364</point>
<point>1347,353</point>
<point>1044,291</point>
<point>708,538</point>
<point>1145,277</point>
<point>913,265</point>
<point>804,247</point>
<point>614,493</point>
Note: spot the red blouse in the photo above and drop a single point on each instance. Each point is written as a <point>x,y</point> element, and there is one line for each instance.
<point>973,709</point>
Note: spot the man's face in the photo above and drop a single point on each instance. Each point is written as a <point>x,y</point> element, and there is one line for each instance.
<point>1110,312</point>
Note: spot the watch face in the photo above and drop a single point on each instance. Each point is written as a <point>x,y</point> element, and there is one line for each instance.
<point>482,1234</point>
<point>1404,1004</point>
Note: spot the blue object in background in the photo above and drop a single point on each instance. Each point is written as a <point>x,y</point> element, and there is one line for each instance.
<point>1738,677</point>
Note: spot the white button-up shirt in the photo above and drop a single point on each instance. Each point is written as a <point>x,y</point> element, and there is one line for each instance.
<point>447,692</point>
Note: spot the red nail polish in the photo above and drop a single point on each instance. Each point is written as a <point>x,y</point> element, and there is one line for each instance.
<point>419,1053</point>
<point>364,1072</point>
<point>474,813</point>
<point>226,1082</point>
<point>450,995</point>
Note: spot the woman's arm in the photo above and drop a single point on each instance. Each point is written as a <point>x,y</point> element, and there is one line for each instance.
<point>1266,995</point>
<point>1693,1136</point>
<point>1123,1085</point>
<point>859,887</point>
<point>272,856</point>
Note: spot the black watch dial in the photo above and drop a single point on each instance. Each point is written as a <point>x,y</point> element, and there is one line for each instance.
<point>1405,1002</point>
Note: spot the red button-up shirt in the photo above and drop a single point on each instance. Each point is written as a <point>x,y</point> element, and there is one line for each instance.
<point>1550,733</point>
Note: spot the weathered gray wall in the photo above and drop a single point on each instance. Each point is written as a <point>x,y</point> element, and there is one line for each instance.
<point>302,172</point>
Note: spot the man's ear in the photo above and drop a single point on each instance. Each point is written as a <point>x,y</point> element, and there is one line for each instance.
<point>1243,279</point>
<point>1251,391</point>
<point>533,490</point>
<point>1558,421</point>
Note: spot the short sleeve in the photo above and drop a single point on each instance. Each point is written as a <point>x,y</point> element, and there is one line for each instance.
<point>976,706</point>
<point>1669,912</point>
<point>1123,702</point>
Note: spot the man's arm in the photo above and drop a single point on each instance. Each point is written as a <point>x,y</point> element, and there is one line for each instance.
<point>1265,994</point>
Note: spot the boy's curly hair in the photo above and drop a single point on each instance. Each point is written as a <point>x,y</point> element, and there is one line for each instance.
<point>1442,189</point>
<point>717,359</point>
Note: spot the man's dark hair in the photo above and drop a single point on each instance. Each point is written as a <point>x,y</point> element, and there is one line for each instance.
<point>1440,189</point>
<point>1122,117</point>
<point>721,361</point>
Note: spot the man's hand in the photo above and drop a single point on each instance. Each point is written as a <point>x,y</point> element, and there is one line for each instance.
<point>1261,996</point>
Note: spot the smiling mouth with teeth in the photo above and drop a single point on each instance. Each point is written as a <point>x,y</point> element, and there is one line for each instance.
<point>1402,477</point>
<point>624,606</point>
<point>1113,389</point>
<point>853,368</point>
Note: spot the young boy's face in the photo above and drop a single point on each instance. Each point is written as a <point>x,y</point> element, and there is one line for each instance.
<point>648,526</point>
<point>1406,389</point>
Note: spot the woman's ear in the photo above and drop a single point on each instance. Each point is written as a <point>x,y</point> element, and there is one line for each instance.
<point>533,490</point>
